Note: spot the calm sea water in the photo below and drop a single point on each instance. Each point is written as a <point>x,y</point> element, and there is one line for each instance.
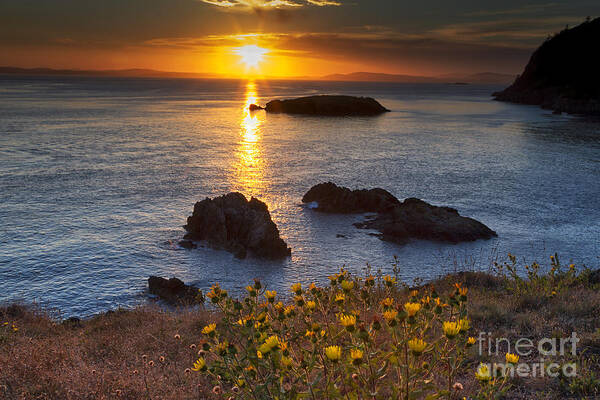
<point>98,175</point>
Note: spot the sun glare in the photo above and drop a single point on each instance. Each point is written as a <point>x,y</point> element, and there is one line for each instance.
<point>251,55</point>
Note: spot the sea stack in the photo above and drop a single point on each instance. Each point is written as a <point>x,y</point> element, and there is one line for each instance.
<point>233,223</point>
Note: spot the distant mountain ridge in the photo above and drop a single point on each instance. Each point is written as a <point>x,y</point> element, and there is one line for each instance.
<point>563,74</point>
<point>129,73</point>
<point>484,77</point>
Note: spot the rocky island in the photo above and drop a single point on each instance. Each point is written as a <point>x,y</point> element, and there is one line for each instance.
<point>325,105</point>
<point>562,74</point>
<point>398,221</point>
<point>233,223</point>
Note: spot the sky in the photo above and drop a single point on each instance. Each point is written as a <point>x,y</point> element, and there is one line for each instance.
<point>299,37</point>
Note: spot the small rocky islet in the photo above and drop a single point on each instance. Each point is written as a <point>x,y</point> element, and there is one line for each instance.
<point>324,105</point>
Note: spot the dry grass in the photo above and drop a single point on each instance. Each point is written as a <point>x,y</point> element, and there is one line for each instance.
<point>102,358</point>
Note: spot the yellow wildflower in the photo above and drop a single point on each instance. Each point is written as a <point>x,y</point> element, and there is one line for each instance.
<point>483,373</point>
<point>340,297</point>
<point>311,305</point>
<point>334,353</point>
<point>390,316</point>
<point>417,346</point>
<point>389,281</point>
<point>348,321</point>
<point>471,341</point>
<point>272,342</point>
<point>259,354</point>
<point>199,365</point>
<point>512,358</point>
<point>387,302</point>
<point>412,308</point>
<point>221,348</point>
<point>209,329</point>
<point>370,280</point>
<point>356,356</point>
<point>289,310</point>
<point>297,288</point>
<point>451,329</point>
<point>347,285</point>
<point>464,324</point>
<point>251,291</point>
<point>270,295</point>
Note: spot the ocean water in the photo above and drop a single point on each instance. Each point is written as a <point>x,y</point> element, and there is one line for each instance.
<point>98,175</point>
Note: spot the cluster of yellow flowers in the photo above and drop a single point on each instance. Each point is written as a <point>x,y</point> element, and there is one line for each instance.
<point>11,326</point>
<point>357,338</point>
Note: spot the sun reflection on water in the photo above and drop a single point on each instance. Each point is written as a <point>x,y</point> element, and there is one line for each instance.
<point>250,166</point>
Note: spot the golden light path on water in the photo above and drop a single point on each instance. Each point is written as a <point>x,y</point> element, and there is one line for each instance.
<point>250,165</point>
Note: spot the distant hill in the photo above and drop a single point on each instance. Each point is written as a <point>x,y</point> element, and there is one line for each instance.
<point>483,77</point>
<point>563,74</point>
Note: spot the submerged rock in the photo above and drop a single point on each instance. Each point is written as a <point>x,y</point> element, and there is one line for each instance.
<point>562,74</point>
<point>187,244</point>
<point>174,291</point>
<point>398,221</point>
<point>232,223</point>
<point>254,107</point>
<point>327,105</point>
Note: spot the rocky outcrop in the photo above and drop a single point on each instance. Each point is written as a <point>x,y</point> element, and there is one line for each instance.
<point>327,105</point>
<point>254,107</point>
<point>232,223</point>
<point>174,291</point>
<point>562,74</point>
<point>416,219</point>
<point>398,221</point>
<point>330,198</point>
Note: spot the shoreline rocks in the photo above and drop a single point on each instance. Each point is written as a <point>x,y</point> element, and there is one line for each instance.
<point>397,221</point>
<point>174,291</point>
<point>327,105</point>
<point>242,227</point>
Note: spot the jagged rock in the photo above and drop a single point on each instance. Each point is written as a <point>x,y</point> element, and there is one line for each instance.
<point>562,74</point>
<point>174,291</point>
<point>254,107</point>
<point>232,223</point>
<point>398,221</point>
<point>330,198</point>
<point>327,105</point>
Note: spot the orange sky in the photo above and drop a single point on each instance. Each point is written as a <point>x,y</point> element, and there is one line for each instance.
<point>304,37</point>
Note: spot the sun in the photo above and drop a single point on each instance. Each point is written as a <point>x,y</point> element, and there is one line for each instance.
<point>251,55</point>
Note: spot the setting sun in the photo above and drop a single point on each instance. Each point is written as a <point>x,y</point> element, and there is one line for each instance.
<point>251,55</point>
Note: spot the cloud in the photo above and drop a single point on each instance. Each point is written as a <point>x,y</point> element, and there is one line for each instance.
<point>516,32</point>
<point>392,51</point>
<point>269,4</point>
